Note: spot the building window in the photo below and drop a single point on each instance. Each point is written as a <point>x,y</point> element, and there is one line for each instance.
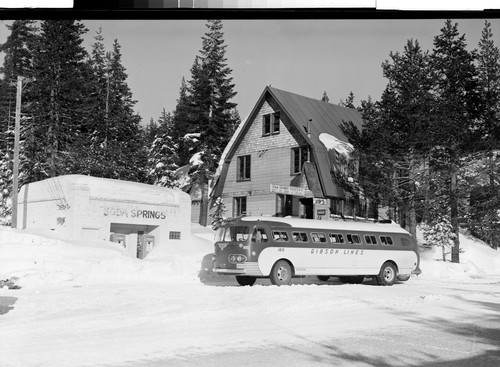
<point>240,206</point>
<point>299,157</point>
<point>271,124</point>
<point>243,173</point>
<point>174,235</point>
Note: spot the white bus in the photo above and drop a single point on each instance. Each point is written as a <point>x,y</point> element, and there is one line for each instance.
<point>282,248</point>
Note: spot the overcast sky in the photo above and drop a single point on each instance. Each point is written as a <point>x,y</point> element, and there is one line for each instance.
<point>305,56</point>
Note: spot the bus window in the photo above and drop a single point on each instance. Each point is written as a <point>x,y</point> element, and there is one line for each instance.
<point>405,242</point>
<point>386,240</point>
<point>299,236</point>
<point>280,236</point>
<point>238,233</point>
<point>371,240</point>
<point>353,238</point>
<point>259,235</point>
<point>219,236</point>
<point>318,237</point>
<point>336,238</point>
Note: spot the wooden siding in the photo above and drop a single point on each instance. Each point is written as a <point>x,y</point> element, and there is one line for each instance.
<point>270,163</point>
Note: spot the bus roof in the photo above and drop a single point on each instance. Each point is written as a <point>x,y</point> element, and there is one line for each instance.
<point>329,224</point>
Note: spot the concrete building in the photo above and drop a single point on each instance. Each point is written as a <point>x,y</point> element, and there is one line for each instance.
<point>138,216</point>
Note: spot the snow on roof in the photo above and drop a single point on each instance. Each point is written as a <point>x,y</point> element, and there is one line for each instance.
<point>331,142</point>
<point>102,188</point>
<point>331,224</point>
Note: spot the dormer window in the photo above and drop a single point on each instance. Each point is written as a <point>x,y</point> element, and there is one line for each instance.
<point>271,124</point>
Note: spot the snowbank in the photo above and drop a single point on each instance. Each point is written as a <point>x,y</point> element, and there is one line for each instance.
<point>477,260</point>
<point>39,259</point>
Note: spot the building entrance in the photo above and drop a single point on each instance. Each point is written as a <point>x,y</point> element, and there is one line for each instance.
<point>307,208</point>
<point>139,240</point>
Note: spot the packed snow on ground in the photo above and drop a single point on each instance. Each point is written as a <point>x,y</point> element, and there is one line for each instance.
<point>89,304</point>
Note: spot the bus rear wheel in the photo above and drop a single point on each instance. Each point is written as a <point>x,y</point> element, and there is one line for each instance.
<point>245,280</point>
<point>281,273</point>
<point>323,278</point>
<point>388,274</point>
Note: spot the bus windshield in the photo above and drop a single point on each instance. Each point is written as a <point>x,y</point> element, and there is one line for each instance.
<point>229,234</point>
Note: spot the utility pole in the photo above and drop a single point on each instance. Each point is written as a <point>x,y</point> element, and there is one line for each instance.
<point>17,129</point>
<point>15,173</point>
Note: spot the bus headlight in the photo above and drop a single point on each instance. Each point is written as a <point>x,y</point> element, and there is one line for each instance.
<point>237,258</point>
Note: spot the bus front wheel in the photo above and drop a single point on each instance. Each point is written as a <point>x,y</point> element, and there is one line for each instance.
<point>388,274</point>
<point>281,273</point>
<point>245,280</point>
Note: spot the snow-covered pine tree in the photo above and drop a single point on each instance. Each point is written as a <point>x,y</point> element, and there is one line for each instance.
<point>162,157</point>
<point>440,233</point>
<point>217,215</point>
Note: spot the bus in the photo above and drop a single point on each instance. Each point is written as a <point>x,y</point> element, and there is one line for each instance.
<point>282,248</point>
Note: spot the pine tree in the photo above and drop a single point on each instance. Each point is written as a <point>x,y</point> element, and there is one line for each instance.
<point>218,214</point>
<point>219,126</point>
<point>163,155</point>
<point>405,109</point>
<point>94,159</point>
<point>182,124</point>
<point>349,102</point>
<point>375,164</point>
<point>124,138</point>
<point>484,212</point>
<point>152,129</point>
<point>440,234</point>
<point>457,108</point>
<point>206,109</point>
<point>17,62</point>
<point>58,97</point>
<point>325,97</point>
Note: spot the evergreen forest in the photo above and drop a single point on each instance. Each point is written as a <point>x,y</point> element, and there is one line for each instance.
<point>429,149</point>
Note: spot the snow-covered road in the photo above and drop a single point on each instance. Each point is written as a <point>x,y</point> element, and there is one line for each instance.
<point>114,324</point>
<point>86,306</point>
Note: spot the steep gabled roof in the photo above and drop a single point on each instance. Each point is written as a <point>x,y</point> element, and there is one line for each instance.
<point>325,118</point>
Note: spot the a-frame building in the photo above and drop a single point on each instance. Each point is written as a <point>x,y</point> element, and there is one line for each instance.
<point>281,159</point>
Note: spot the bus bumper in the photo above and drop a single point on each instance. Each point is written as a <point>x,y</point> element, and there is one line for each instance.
<point>229,271</point>
<point>249,268</point>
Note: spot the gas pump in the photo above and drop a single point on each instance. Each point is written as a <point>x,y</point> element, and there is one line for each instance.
<point>145,244</point>
<point>118,238</point>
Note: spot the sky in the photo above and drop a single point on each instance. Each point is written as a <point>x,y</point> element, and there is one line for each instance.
<point>303,56</point>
